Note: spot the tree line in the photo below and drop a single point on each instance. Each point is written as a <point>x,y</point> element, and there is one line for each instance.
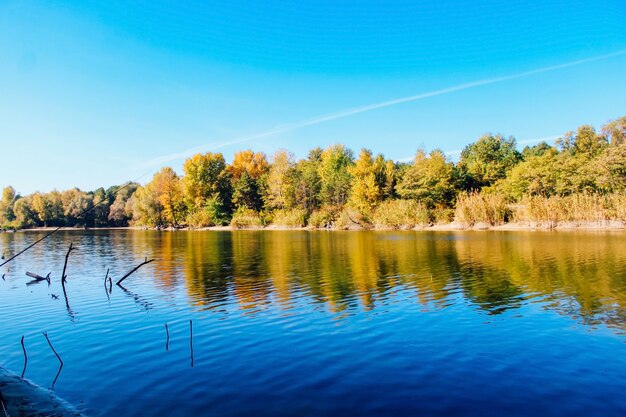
<point>333,187</point>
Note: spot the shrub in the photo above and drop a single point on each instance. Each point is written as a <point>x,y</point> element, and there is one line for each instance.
<point>351,218</point>
<point>290,218</point>
<point>324,217</point>
<point>473,208</point>
<point>245,218</point>
<point>401,214</point>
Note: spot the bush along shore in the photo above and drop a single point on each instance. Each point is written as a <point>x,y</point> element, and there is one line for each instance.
<point>578,181</point>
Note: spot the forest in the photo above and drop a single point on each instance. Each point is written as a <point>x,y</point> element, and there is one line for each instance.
<point>579,178</point>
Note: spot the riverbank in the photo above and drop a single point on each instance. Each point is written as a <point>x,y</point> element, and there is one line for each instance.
<point>23,398</point>
<point>611,225</point>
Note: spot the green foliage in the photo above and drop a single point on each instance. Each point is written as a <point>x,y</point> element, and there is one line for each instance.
<point>487,160</point>
<point>582,177</point>
<point>244,218</point>
<point>430,180</point>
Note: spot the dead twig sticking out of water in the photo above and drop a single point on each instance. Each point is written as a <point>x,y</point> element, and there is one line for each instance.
<point>58,357</point>
<point>4,409</point>
<point>106,278</point>
<point>67,255</point>
<point>25,357</point>
<point>167,341</point>
<point>64,278</point>
<point>133,270</point>
<point>191,340</point>
<point>106,290</point>
<point>52,347</point>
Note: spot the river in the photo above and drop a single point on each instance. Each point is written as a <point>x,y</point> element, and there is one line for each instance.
<point>323,323</point>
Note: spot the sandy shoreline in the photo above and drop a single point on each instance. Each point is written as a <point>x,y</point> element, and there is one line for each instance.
<point>509,227</point>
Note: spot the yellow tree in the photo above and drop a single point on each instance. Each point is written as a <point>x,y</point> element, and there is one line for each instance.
<point>170,195</point>
<point>254,163</point>
<point>366,191</point>
<point>279,184</point>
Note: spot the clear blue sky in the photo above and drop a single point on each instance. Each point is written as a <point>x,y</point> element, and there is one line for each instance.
<point>93,93</point>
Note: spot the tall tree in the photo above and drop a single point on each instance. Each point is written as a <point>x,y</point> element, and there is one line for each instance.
<point>431,180</point>
<point>366,184</point>
<point>280,181</point>
<point>335,178</point>
<point>487,160</point>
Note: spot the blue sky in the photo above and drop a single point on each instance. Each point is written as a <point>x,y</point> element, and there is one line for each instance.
<point>97,93</point>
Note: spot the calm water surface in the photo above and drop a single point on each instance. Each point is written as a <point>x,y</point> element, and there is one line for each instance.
<point>324,323</point>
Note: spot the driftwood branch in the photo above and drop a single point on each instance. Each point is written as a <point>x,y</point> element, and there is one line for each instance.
<point>133,270</point>
<point>25,357</point>
<point>167,341</point>
<point>52,347</point>
<point>37,278</point>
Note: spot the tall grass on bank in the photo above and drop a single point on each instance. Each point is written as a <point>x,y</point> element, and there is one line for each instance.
<point>245,218</point>
<point>401,214</point>
<point>481,208</point>
<point>574,209</point>
<point>290,218</point>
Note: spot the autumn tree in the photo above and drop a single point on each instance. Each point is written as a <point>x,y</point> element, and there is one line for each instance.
<point>280,181</point>
<point>615,131</point>
<point>207,189</point>
<point>366,184</point>
<point>335,177</point>
<point>248,178</point>
<point>6,206</point>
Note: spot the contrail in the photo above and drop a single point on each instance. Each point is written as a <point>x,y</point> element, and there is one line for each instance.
<point>362,109</point>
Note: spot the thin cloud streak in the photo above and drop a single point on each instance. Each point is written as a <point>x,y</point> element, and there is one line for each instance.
<point>362,109</point>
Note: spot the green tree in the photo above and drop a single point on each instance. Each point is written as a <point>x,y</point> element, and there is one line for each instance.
<point>430,180</point>
<point>307,182</point>
<point>487,160</point>
<point>207,189</point>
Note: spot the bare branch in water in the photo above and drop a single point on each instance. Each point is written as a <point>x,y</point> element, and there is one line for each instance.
<point>25,357</point>
<point>63,276</point>
<point>167,341</point>
<point>191,340</point>
<point>133,270</point>
<point>52,347</point>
